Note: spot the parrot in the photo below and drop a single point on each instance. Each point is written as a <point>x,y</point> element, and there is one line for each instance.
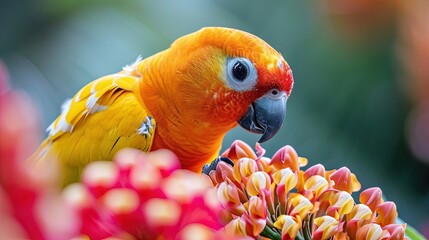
<point>185,99</point>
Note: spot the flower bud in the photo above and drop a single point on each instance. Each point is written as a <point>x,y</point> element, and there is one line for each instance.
<point>386,213</point>
<point>317,169</point>
<point>289,226</point>
<point>244,167</point>
<point>224,172</point>
<point>326,227</point>
<point>286,157</point>
<point>286,179</point>
<point>396,231</point>
<point>316,184</point>
<point>100,176</point>
<point>257,214</point>
<point>196,231</point>
<point>341,203</point>
<point>356,218</point>
<point>161,212</point>
<point>144,176</point>
<point>258,182</point>
<point>229,198</point>
<point>236,228</point>
<point>183,185</point>
<point>264,165</point>
<point>239,149</point>
<point>299,205</point>
<point>345,180</point>
<point>165,160</point>
<point>371,231</point>
<point>372,197</point>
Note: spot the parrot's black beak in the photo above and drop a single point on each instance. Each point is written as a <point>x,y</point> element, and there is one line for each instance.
<point>266,115</point>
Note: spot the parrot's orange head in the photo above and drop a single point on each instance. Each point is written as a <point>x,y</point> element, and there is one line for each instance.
<point>212,79</point>
<point>233,76</point>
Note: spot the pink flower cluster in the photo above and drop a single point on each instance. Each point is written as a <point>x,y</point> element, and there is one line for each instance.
<point>144,196</point>
<point>30,203</point>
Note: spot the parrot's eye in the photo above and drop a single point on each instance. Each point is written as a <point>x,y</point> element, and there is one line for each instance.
<point>239,71</point>
<point>241,74</point>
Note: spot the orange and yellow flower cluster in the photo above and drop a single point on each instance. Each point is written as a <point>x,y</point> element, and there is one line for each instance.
<point>274,198</point>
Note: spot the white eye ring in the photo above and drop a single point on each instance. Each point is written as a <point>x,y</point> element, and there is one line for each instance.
<point>241,74</point>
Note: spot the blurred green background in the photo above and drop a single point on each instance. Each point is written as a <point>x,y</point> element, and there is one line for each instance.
<point>354,87</point>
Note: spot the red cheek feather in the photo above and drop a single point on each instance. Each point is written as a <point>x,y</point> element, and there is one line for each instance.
<point>280,78</point>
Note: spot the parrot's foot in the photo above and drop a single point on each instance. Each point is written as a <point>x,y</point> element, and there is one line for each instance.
<point>207,168</point>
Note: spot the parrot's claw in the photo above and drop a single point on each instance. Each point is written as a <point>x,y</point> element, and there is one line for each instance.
<point>207,168</point>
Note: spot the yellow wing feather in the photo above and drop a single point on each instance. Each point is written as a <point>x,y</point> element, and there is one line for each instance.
<point>103,117</point>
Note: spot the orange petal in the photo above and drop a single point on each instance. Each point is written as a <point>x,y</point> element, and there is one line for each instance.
<point>317,169</point>
<point>386,213</point>
<point>372,197</point>
<point>239,149</point>
<point>345,180</point>
<point>224,172</point>
<point>396,231</point>
<point>286,157</point>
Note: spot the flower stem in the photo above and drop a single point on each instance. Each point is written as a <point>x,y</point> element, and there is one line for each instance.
<point>267,232</point>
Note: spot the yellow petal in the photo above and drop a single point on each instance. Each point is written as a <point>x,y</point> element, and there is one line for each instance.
<point>289,226</point>
<point>258,182</point>
<point>299,205</point>
<point>316,184</point>
<point>371,231</point>
<point>327,227</point>
<point>244,167</point>
<point>360,212</point>
<point>341,203</point>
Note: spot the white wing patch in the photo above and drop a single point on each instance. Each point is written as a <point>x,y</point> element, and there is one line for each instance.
<point>146,126</point>
<point>130,69</point>
<point>92,106</point>
<point>87,100</point>
<point>62,124</point>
